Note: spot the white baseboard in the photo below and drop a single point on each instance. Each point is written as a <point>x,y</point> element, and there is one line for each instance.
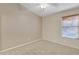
<point>62,44</point>
<point>19,45</point>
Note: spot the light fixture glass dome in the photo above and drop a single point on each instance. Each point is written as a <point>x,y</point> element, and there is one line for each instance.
<point>44,5</point>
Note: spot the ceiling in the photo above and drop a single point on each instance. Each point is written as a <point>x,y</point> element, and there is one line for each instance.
<point>51,8</point>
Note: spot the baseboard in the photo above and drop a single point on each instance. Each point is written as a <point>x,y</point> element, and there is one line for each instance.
<point>19,46</point>
<point>61,44</point>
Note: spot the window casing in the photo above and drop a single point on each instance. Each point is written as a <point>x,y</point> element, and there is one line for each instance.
<point>70,26</point>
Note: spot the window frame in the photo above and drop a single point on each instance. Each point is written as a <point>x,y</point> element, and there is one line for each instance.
<point>76,27</point>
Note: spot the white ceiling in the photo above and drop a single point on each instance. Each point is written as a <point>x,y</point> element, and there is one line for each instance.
<point>51,9</point>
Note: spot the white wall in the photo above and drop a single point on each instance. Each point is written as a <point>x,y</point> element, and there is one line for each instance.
<point>52,28</point>
<point>18,26</point>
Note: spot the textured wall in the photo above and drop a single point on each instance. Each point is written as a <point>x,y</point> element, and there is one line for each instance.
<point>52,28</point>
<point>18,26</point>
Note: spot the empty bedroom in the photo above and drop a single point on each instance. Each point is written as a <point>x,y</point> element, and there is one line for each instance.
<point>39,28</point>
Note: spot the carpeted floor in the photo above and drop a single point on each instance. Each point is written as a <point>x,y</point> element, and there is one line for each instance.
<point>42,47</point>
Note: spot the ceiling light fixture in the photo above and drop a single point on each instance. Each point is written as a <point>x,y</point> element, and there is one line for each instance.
<point>44,5</point>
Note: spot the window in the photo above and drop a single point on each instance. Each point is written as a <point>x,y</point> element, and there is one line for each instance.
<point>70,26</point>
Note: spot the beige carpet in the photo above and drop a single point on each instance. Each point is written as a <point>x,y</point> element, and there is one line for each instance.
<point>43,48</point>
